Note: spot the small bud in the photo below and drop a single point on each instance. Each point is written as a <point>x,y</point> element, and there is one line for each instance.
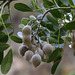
<point>28,55</point>
<point>22,50</point>
<point>36,60</point>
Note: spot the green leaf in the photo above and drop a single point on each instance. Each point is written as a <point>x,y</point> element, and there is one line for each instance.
<point>22,7</point>
<point>56,13</point>
<point>47,4</point>
<point>44,60</point>
<point>25,21</point>
<point>52,20</point>
<point>16,39</point>
<point>3,37</point>
<point>70,25</point>
<point>1,57</point>
<point>7,62</point>
<point>68,39</point>
<point>54,67</point>
<point>65,2</point>
<point>3,46</point>
<point>5,17</point>
<point>32,17</point>
<point>44,31</point>
<point>52,40</point>
<point>61,41</point>
<point>71,3</point>
<point>49,26</point>
<point>35,4</point>
<point>1,28</point>
<point>8,25</point>
<point>59,2</point>
<point>21,26</point>
<point>53,55</point>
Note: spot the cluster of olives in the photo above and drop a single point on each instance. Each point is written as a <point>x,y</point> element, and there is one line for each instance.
<point>31,52</point>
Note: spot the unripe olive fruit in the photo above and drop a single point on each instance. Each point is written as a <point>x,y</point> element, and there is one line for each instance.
<point>22,50</point>
<point>32,47</point>
<point>27,40</point>
<point>47,49</point>
<point>36,60</point>
<point>44,43</point>
<point>26,30</point>
<point>28,55</point>
<point>40,52</point>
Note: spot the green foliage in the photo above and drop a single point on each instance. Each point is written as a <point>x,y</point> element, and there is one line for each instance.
<point>16,39</point>
<point>5,17</point>
<point>47,4</point>
<point>3,46</point>
<point>70,25</point>
<point>7,62</point>
<point>53,55</point>
<point>22,7</point>
<point>54,67</point>
<point>71,3</point>
<point>54,19</point>
<point>1,57</point>
<point>3,37</point>
<point>68,39</point>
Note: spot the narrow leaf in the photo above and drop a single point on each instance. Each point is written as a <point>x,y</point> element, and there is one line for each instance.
<point>71,3</point>
<point>56,13</point>
<point>1,57</point>
<point>52,20</point>
<point>25,21</point>
<point>7,62</point>
<point>54,67</point>
<point>70,25</point>
<point>16,39</point>
<point>3,46</point>
<point>5,17</point>
<point>68,39</point>
<point>47,4</point>
<point>53,55</point>
<point>1,28</point>
<point>3,37</point>
<point>22,7</point>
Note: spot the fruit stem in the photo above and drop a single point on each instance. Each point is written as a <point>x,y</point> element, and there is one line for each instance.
<point>63,8</point>
<point>56,3</point>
